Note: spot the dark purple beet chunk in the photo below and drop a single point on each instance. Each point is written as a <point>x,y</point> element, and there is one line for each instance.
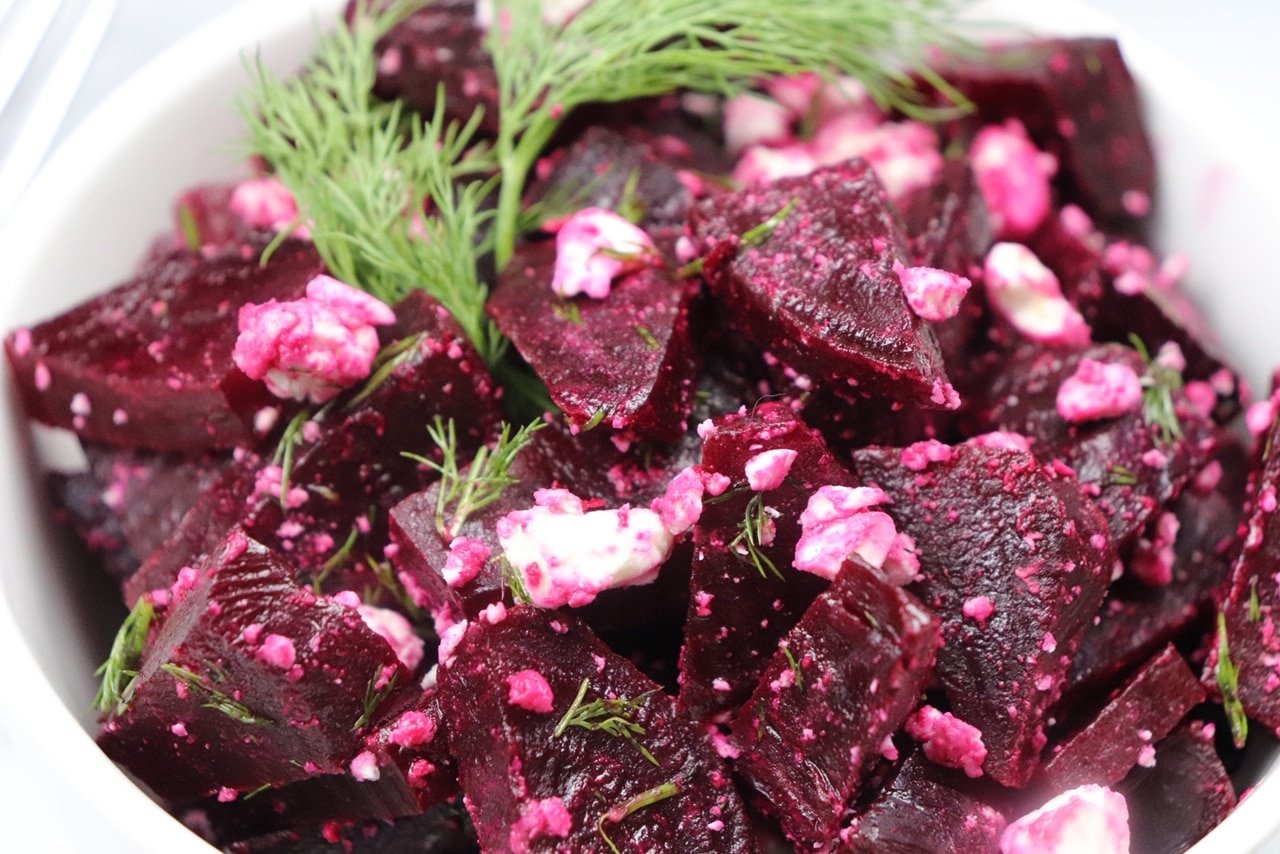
<point>1175,802</point>
<point>443,830</point>
<point>77,502</point>
<point>1123,733</point>
<point>206,210</point>
<point>628,356</point>
<point>148,364</point>
<point>1137,618</point>
<point>511,764</point>
<point>232,632</point>
<point>820,292</point>
<point>863,653</point>
<point>1123,462</point>
<point>1078,101</point>
<point>998,526</point>
<point>439,44</point>
<point>736,613</point>
<point>925,809</point>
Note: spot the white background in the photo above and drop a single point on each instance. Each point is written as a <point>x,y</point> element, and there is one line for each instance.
<point>1230,43</point>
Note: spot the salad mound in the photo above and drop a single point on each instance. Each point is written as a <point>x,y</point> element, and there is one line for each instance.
<point>827,470</point>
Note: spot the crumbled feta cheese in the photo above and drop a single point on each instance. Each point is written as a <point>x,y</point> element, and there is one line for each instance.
<point>567,556</point>
<point>364,767</point>
<point>795,92</point>
<point>1154,558</point>
<point>1013,177</point>
<point>467,556</point>
<point>278,651</point>
<point>311,349</point>
<point>978,608</point>
<point>539,819</point>
<point>1027,294</point>
<point>555,13</point>
<point>1258,417</point>
<point>594,247</point>
<point>397,631</point>
<point>761,164</point>
<point>1098,390</point>
<point>932,294</point>
<point>266,203</point>
<point>904,155</point>
<point>681,505</point>
<point>1002,439</point>
<point>947,740</point>
<point>530,690</point>
<point>917,456</point>
<point>1088,818</point>
<point>768,469</point>
<point>751,119</point>
<point>837,524</point>
<point>413,729</point>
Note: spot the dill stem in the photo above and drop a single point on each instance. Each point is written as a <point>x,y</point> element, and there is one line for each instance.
<point>517,160</point>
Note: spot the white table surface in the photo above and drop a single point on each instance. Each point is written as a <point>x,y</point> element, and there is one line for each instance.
<point>1230,43</point>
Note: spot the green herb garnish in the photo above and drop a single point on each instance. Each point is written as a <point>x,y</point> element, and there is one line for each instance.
<point>647,798</point>
<point>214,699</point>
<point>794,665</point>
<point>120,671</point>
<point>1228,676</point>
<point>373,696</point>
<point>1159,385</point>
<point>568,310</point>
<point>608,716</point>
<point>190,228</point>
<point>336,559</point>
<point>762,232</point>
<point>283,456</point>
<point>515,582</point>
<point>753,531</point>
<point>649,340</point>
<point>1122,475</point>
<point>1255,607</point>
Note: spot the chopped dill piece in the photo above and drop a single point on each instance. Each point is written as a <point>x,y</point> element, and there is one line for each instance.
<point>871,619</point>
<point>752,533</point>
<point>119,672</point>
<point>1159,385</point>
<point>515,582</point>
<point>629,206</point>
<point>650,341</point>
<point>213,698</point>
<point>762,232</point>
<point>336,559</point>
<point>283,457</point>
<point>387,580</point>
<point>190,228</point>
<point>252,793</point>
<point>1228,676</point>
<point>1255,608</point>
<point>373,697</point>
<point>609,716</point>
<point>1122,475</point>
<point>693,268</point>
<point>794,665</point>
<point>647,798</point>
<point>567,309</point>
<point>384,365</point>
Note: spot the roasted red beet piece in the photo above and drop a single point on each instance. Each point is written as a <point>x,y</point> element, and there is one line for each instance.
<point>1124,462</point>
<point>925,809</point>
<point>250,677</point>
<point>1015,561</point>
<point>77,502</point>
<point>819,291</point>
<point>531,789</point>
<point>1176,801</point>
<point>738,612</point>
<point>1137,618</point>
<point>148,364</point>
<point>1124,732</point>
<point>203,214</point>
<point>1077,100</point>
<point>627,358</point>
<point>839,684</point>
<point>443,830</point>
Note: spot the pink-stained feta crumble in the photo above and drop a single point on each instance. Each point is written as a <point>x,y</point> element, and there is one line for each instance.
<point>397,631</point>
<point>594,247</point>
<point>752,119</point>
<point>1098,390</point>
<point>467,556</point>
<point>530,690</point>
<point>1003,440</point>
<point>978,608</point>
<point>364,767</point>
<point>1013,176</point>
<point>539,819</point>
<point>838,524</point>
<point>312,348</point>
<point>917,456</point>
<point>1154,558</point>
<point>278,651</point>
<point>1027,294</point>
<point>904,155</point>
<point>567,556</point>
<point>1088,818</point>
<point>450,637</point>
<point>933,294</point>
<point>413,729</point>
<point>761,164</point>
<point>947,740</point>
<point>768,469</point>
<point>681,505</point>
<point>1258,417</point>
<point>266,203</point>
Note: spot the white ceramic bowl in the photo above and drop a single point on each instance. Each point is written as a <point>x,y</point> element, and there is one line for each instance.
<point>95,206</point>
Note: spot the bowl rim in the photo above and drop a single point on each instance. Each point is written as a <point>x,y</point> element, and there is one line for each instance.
<point>103,794</point>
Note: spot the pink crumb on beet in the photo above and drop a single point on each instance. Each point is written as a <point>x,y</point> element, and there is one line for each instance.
<point>413,729</point>
<point>595,246</point>
<point>266,203</point>
<point>530,690</point>
<point>1258,417</point>
<point>1098,390</point>
<point>768,469</point>
<point>539,819</point>
<point>278,651</point>
<point>978,608</point>
<point>916,457</point>
<point>1013,177</point>
<point>751,119</point>
<point>1028,295</point>
<point>364,767</point>
<point>947,740</point>
<point>467,556</point>
<point>397,631</point>
<point>837,524</point>
<point>932,294</point>
<point>1088,818</point>
<point>680,506</point>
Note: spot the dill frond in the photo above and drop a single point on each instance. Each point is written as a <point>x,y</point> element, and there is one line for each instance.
<point>214,698</point>
<point>1228,678</point>
<point>119,671</point>
<point>611,716</point>
<point>753,530</point>
<point>647,798</point>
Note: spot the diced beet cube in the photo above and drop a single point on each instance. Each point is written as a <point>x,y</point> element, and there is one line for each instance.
<point>1124,733</point>
<point>819,290</point>
<point>77,502</point>
<point>737,612</point>
<point>1014,560</point>
<point>1125,462</point>
<point>204,214</point>
<point>439,44</point>
<point>148,364</point>
<point>1181,796</point>
<point>627,358</point>
<point>443,830</point>
<point>249,678</point>
<point>839,684</point>
<point>925,808</point>
<point>948,223</point>
<point>1079,102</point>
<point>505,690</point>
<point>1138,618</point>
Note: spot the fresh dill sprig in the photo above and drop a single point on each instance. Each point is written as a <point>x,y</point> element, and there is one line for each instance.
<point>514,581</point>
<point>190,228</point>
<point>647,798</point>
<point>335,560</point>
<point>762,232</point>
<point>794,665</point>
<point>1228,676</point>
<point>384,365</point>
<point>120,671</point>
<point>1160,383</point>
<point>618,50</point>
<point>285,448</point>
<point>1255,607</point>
<point>468,489</point>
<point>1122,475</point>
<point>753,530</point>
<point>393,202</point>
<point>612,716</point>
<point>373,697</point>
<point>385,575</point>
<point>214,699</point>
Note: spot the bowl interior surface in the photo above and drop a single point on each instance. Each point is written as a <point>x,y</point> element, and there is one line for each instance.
<point>108,191</point>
